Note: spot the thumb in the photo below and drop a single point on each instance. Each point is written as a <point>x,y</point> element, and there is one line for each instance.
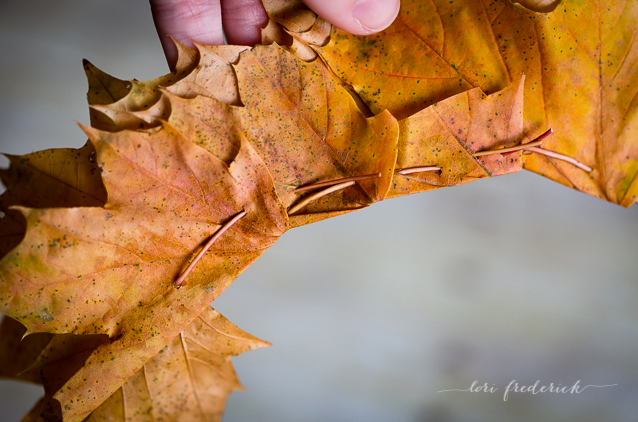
<point>360,17</point>
<point>187,21</point>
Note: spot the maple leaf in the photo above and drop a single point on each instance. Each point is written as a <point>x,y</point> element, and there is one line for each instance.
<point>293,15</point>
<point>578,61</point>
<point>189,379</point>
<point>306,104</point>
<point>62,177</point>
<point>294,26</point>
<point>127,290</point>
<point>135,105</point>
<point>43,358</point>
<point>110,270</point>
<point>65,178</point>
<point>447,134</point>
<point>126,96</point>
<point>18,352</point>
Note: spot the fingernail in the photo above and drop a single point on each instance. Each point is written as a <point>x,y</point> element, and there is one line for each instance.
<point>375,15</point>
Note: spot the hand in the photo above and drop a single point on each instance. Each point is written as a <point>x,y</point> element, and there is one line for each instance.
<point>206,21</point>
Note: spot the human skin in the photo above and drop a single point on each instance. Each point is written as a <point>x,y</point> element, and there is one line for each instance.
<point>207,21</point>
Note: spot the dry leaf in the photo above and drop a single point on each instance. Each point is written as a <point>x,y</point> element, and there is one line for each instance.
<point>293,26</point>
<point>235,130</point>
<point>446,134</point>
<point>428,54</point>
<point>293,15</point>
<point>127,96</point>
<point>578,61</point>
<point>322,125</point>
<point>213,76</point>
<point>17,352</point>
<point>189,379</point>
<point>62,177</point>
<point>110,270</point>
<point>205,71</point>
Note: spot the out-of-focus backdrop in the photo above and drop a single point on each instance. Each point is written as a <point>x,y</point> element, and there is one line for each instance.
<point>373,313</point>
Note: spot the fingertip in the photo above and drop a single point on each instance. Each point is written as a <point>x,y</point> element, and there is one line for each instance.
<point>359,17</point>
<point>375,15</point>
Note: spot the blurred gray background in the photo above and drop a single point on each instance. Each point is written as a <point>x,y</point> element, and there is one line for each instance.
<point>372,313</point>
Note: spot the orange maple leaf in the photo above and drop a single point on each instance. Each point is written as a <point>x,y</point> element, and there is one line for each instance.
<point>578,59</point>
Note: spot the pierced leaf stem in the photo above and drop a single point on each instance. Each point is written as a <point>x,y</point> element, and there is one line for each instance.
<point>531,144</point>
<point>504,151</point>
<point>531,148</point>
<point>544,134</point>
<point>318,195</point>
<point>561,157</point>
<point>201,253</point>
<point>411,170</point>
<point>336,182</point>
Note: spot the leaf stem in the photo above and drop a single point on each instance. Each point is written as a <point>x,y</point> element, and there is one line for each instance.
<point>201,253</point>
<point>507,150</point>
<point>410,170</point>
<point>532,148</point>
<point>544,134</point>
<point>561,157</point>
<point>318,195</point>
<point>336,182</point>
<point>536,142</point>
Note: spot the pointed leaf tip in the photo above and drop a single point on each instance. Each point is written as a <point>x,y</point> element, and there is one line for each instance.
<point>91,132</point>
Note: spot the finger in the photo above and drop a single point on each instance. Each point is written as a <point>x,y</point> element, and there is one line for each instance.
<point>360,17</point>
<point>187,21</point>
<point>243,20</point>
